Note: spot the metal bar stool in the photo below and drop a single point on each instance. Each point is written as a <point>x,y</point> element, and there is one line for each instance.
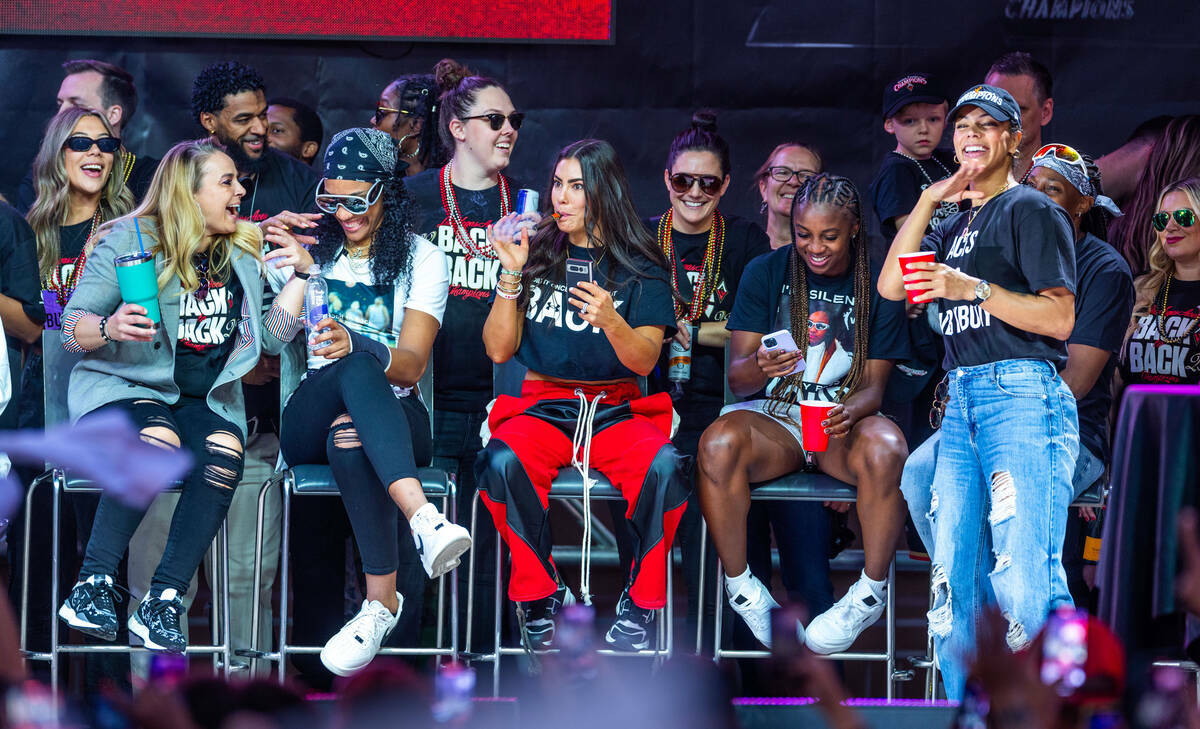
<point>56,368</point>
<point>566,486</point>
<point>316,480</point>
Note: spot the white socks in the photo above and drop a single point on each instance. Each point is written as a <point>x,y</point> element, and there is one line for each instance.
<point>733,585</point>
<point>423,518</point>
<point>879,587</point>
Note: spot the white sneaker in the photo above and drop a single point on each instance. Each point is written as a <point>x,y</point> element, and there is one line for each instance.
<point>836,629</point>
<point>439,542</point>
<point>355,645</point>
<point>754,603</point>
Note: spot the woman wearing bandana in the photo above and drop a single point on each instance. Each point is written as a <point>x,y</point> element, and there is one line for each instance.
<point>357,408</point>
<point>1103,302</point>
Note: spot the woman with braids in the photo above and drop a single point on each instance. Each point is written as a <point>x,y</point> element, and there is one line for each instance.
<point>1009,437</point>
<point>580,404</point>
<point>823,277</point>
<point>453,205</point>
<point>1103,302</point>
<point>781,174</point>
<point>178,380</point>
<point>407,110</point>
<point>357,408</point>
<point>1162,345</point>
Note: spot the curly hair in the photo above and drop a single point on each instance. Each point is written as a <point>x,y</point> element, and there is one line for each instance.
<point>391,248</point>
<point>219,80</point>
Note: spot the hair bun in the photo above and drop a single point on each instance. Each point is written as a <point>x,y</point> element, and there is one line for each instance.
<point>705,120</point>
<point>449,73</point>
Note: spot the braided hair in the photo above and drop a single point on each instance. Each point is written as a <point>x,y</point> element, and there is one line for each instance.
<point>839,192</point>
<point>1096,220</point>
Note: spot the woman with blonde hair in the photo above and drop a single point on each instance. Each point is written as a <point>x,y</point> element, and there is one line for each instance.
<point>79,176</point>
<point>1163,343</point>
<point>177,375</point>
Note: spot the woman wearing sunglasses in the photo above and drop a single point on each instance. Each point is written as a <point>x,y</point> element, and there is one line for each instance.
<point>357,409</point>
<point>580,404</point>
<point>177,376</point>
<point>407,110</point>
<point>1005,338</point>
<point>1103,301</point>
<point>781,175</point>
<point>1163,343</point>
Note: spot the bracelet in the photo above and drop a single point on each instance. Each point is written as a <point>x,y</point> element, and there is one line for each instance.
<point>509,272</point>
<point>301,276</point>
<point>508,294</point>
<point>104,331</point>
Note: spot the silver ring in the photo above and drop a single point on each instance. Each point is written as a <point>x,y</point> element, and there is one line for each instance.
<point>585,308</point>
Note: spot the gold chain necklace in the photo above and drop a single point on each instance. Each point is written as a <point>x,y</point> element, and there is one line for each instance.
<point>1162,317</point>
<point>975,209</point>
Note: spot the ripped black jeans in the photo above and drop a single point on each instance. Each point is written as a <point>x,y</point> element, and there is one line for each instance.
<point>207,491</point>
<point>346,415</point>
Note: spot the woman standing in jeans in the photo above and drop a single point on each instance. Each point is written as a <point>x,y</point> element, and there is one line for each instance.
<point>357,408</point>
<point>1010,437</point>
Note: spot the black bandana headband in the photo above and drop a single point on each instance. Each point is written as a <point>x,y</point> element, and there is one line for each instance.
<point>361,153</point>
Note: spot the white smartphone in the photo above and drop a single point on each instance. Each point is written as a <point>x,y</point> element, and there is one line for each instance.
<point>782,341</point>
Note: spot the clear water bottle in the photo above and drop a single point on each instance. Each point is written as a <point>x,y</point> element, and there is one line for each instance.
<point>679,363</point>
<point>316,305</point>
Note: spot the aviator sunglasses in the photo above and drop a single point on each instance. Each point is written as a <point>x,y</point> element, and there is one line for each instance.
<point>354,204</point>
<point>1183,216</point>
<point>496,120</point>
<point>80,143</point>
<point>681,182</point>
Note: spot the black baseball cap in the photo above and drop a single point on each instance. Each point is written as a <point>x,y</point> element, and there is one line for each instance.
<point>911,88</point>
<point>994,100</point>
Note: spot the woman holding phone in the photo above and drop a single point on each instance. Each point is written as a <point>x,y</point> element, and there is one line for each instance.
<point>175,372</point>
<point>584,346</point>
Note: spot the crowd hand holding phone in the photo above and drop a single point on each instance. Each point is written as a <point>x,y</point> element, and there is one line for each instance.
<point>595,305</point>
<point>129,323</point>
<point>778,355</point>
<point>510,241</point>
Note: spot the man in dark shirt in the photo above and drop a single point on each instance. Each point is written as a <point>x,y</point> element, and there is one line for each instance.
<point>294,128</point>
<point>109,90</point>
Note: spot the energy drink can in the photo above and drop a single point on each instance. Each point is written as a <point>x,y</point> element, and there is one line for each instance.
<point>527,201</point>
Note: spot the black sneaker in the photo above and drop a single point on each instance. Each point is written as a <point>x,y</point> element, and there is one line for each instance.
<point>156,622</point>
<point>89,607</point>
<point>631,631</point>
<point>536,619</point>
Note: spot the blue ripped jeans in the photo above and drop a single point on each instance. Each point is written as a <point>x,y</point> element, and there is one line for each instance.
<point>1001,489</point>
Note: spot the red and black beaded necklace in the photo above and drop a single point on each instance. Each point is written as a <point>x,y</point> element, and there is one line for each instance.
<point>710,272</point>
<point>450,204</point>
<point>63,290</point>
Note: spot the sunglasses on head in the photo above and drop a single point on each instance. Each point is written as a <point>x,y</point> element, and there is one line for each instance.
<point>496,120</point>
<point>681,182</point>
<point>1183,216</point>
<point>381,112</point>
<point>80,143</point>
<point>1063,152</point>
<point>783,174</point>
<point>354,204</point>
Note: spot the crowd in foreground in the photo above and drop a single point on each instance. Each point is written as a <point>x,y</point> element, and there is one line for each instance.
<point>996,301</point>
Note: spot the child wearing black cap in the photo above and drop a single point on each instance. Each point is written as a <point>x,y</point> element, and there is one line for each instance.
<point>914,111</point>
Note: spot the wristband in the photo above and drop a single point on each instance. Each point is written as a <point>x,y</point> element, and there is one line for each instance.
<point>301,276</point>
<point>509,272</point>
<point>103,330</point>
<point>510,295</point>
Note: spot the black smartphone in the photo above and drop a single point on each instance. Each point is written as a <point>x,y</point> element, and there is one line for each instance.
<point>578,271</point>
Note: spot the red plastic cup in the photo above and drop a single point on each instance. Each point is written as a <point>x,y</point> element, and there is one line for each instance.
<point>909,258</point>
<point>812,432</point>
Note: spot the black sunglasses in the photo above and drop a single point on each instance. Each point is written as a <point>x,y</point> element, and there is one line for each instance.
<point>496,120</point>
<point>681,182</point>
<point>80,143</point>
<point>382,112</point>
<point>354,204</point>
<point>1183,216</point>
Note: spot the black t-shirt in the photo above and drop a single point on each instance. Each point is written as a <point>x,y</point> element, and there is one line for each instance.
<point>899,183</point>
<point>284,183</point>
<point>462,372</point>
<point>744,240</point>
<point>207,333</point>
<point>1148,360</point>
<point>1021,241</point>
<point>1103,301</point>
<point>18,264</point>
<point>138,182</point>
<point>556,342</point>
<point>764,306</point>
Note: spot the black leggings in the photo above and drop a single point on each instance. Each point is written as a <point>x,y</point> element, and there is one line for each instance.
<point>207,491</point>
<point>382,441</point>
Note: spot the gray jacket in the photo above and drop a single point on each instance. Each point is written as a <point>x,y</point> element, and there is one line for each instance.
<point>125,370</point>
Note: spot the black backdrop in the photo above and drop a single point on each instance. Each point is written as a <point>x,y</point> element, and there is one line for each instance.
<point>775,70</point>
